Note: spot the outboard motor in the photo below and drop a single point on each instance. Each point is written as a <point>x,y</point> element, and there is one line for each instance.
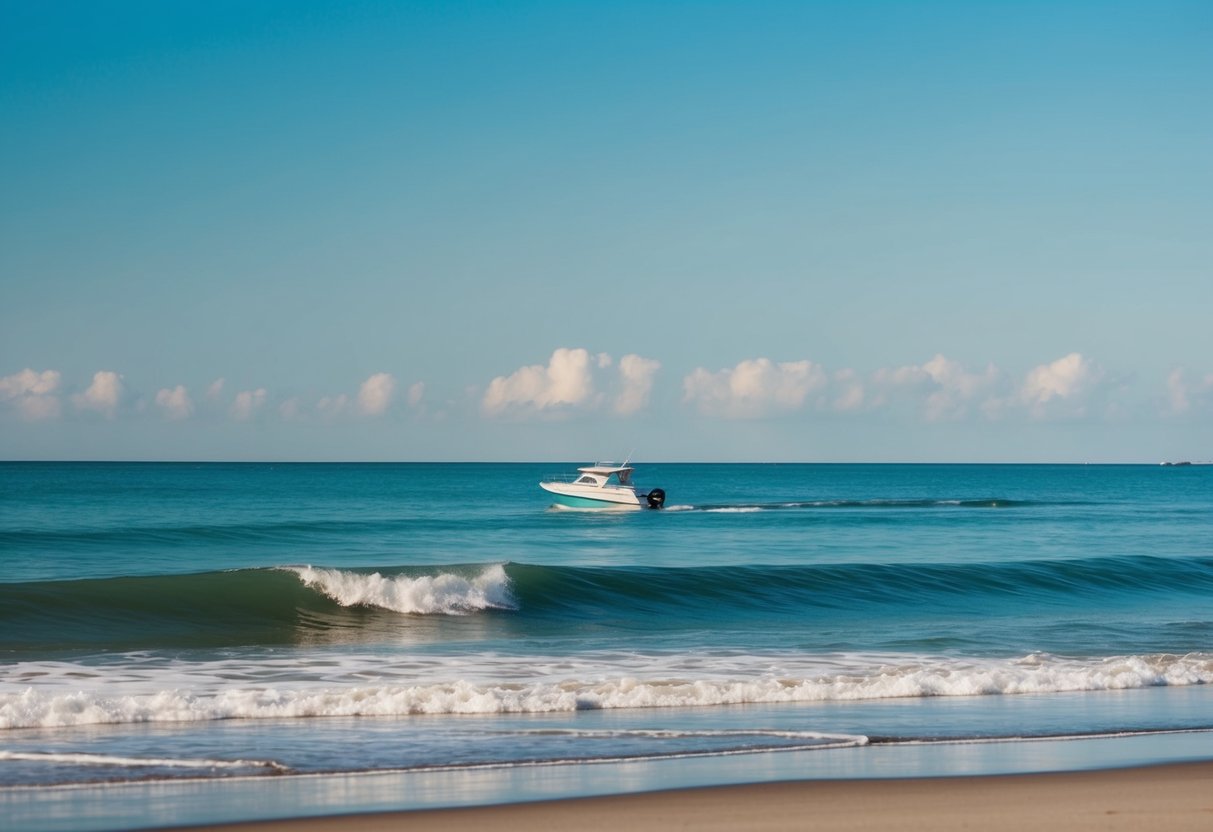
<point>656,498</point>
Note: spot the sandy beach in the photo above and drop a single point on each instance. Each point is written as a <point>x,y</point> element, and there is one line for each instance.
<point>1172,797</point>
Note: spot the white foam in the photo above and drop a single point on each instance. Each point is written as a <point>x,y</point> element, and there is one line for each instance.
<point>442,594</point>
<point>134,762</point>
<point>525,685</point>
<point>734,510</point>
<point>724,733</point>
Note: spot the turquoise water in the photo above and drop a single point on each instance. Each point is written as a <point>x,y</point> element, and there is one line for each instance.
<point>168,625</point>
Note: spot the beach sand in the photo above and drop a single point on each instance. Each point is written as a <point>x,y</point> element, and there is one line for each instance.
<point>1170,797</point>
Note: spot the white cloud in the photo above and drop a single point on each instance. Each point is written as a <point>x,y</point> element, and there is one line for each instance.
<point>247,403</point>
<point>1059,387</point>
<point>29,382</point>
<point>944,388</point>
<point>375,394</point>
<point>214,389</point>
<point>175,402</point>
<point>636,383</point>
<point>566,381</point>
<point>851,396</point>
<point>573,378</point>
<point>1062,378</point>
<point>416,393</point>
<point>32,393</point>
<point>39,408</point>
<point>1184,396</point>
<point>103,395</point>
<point>754,388</point>
<point>330,407</point>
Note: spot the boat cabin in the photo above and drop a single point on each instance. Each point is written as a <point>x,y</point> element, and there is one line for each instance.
<point>600,475</point>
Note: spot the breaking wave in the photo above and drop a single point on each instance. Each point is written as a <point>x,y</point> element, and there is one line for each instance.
<point>609,686</point>
<point>441,594</point>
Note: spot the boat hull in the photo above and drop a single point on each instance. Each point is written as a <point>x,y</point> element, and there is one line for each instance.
<point>566,497</point>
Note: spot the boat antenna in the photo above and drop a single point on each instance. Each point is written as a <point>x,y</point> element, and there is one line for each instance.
<point>629,457</point>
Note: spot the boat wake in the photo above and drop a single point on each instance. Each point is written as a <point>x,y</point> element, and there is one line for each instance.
<point>745,508</point>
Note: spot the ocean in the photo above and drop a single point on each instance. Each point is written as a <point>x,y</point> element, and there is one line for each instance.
<point>193,643</point>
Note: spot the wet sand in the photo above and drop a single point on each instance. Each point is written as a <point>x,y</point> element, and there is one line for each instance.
<point>1171,797</point>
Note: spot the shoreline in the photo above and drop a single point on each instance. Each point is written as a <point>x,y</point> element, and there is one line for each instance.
<point>947,786</point>
<point>1177,796</point>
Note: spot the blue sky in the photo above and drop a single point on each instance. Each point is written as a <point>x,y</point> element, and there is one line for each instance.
<point>510,231</point>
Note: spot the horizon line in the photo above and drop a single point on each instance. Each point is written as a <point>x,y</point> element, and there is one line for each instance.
<point>1163,463</point>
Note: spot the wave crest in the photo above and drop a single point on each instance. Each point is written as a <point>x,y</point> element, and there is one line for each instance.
<point>442,594</point>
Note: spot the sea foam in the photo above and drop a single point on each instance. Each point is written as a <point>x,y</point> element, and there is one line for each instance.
<point>52,706</point>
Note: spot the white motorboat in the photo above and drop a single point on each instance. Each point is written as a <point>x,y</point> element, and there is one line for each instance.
<point>602,486</point>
